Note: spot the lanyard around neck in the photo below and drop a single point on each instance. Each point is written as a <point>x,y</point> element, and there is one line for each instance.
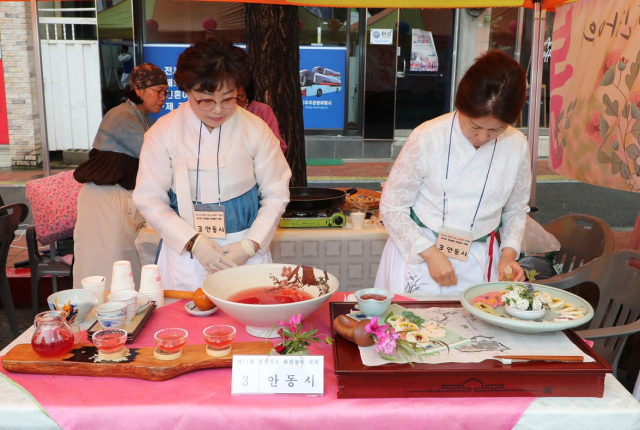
<point>444,197</point>
<point>217,163</point>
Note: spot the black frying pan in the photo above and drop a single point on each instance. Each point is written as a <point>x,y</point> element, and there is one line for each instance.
<point>307,198</point>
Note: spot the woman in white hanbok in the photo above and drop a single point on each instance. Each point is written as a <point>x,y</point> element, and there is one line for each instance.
<point>213,181</point>
<point>460,178</point>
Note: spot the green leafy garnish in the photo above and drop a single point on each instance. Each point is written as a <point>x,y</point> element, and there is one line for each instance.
<point>411,317</point>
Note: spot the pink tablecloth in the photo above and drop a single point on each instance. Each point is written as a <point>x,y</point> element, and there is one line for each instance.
<point>203,399</point>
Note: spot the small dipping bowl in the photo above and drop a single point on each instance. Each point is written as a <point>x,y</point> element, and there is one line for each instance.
<point>219,339</point>
<point>374,302</point>
<point>112,322</point>
<point>170,342</point>
<point>112,310</point>
<point>110,343</point>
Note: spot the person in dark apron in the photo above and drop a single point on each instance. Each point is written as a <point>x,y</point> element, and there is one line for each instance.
<point>213,181</point>
<point>107,223</point>
<point>457,179</point>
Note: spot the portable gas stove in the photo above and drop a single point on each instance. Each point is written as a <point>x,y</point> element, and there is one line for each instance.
<point>333,217</point>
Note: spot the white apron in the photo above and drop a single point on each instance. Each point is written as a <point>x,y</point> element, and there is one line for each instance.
<point>180,271</point>
<point>183,273</point>
<point>395,274</point>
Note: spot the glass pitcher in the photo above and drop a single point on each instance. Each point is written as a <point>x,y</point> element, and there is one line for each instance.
<point>53,336</point>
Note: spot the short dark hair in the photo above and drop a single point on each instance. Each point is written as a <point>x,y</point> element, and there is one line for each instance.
<point>206,66</point>
<point>130,93</point>
<point>495,85</point>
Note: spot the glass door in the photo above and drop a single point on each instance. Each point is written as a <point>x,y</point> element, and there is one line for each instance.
<point>425,50</point>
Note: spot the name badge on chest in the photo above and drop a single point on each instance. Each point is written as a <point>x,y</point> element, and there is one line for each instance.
<point>454,243</point>
<point>210,220</point>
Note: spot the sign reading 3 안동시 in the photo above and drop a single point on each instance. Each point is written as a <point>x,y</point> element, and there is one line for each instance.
<point>277,374</point>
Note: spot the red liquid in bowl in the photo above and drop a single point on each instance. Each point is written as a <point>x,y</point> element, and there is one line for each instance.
<point>171,342</point>
<point>52,343</point>
<point>270,296</point>
<point>110,342</point>
<point>378,297</point>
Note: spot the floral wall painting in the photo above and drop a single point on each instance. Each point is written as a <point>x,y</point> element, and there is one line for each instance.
<point>594,134</point>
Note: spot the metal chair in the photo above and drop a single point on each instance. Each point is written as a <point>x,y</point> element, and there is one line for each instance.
<point>41,266</point>
<point>618,308</point>
<point>582,238</point>
<point>10,218</point>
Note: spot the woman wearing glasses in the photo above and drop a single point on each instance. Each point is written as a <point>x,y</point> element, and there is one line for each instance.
<point>107,219</point>
<point>457,179</point>
<point>213,181</point>
<point>246,100</point>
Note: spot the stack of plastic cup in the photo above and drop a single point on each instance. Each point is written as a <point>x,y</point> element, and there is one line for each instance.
<point>122,276</point>
<point>95,284</point>
<point>151,284</point>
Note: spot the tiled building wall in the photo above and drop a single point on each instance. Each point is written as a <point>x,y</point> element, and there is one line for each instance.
<point>18,59</point>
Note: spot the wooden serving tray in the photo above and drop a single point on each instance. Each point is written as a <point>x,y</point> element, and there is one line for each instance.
<point>489,378</point>
<point>141,363</point>
<point>133,328</point>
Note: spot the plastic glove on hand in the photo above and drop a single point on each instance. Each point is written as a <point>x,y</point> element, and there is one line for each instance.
<point>239,252</point>
<point>210,255</point>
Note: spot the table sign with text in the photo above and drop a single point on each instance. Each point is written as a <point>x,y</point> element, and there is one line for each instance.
<point>277,374</point>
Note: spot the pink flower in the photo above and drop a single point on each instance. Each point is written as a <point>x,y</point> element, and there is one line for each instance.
<point>281,323</point>
<point>593,127</point>
<point>295,319</point>
<point>635,98</point>
<point>372,326</point>
<point>610,60</point>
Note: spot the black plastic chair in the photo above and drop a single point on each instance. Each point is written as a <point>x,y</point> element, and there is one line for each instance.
<point>617,277</point>
<point>10,218</point>
<point>44,266</point>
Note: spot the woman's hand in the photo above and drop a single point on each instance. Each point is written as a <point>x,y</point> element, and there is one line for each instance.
<point>508,258</point>
<point>211,256</point>
<point>440,267</point>
<point>240,252</point>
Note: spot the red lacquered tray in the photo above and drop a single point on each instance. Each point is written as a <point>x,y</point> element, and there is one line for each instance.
<point>489,378</point>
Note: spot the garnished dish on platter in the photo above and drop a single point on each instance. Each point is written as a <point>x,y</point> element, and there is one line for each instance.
<point>526,307</point>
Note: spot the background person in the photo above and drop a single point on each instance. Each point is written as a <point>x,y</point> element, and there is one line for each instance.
<point>107,218</point>
<point>206,154</point>
<point>126,62</point>
<point>246,100</point>
<point>464,172</point>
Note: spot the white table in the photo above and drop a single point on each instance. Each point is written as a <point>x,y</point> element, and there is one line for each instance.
<point>618,409</point>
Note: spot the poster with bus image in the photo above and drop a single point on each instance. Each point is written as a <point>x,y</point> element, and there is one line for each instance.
<point>321,72</point>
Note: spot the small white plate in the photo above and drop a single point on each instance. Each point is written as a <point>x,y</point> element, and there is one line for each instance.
<point>143,302</point>
<point>195,311</point>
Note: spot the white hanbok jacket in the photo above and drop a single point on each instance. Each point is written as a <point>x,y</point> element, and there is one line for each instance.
<point>249,154</point>
<point>417,181</point>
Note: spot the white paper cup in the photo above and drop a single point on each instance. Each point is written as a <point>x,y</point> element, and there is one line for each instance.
<point>357,219</point>
<point>150,281</point>
<point>122,276</point>
<point>95,284</point>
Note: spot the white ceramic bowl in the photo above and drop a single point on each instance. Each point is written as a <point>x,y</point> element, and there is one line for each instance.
<point>112,310</point>
<point>117,322</point>
<point>143,302</point>
<point>82,300</point>
<point>259,319</point>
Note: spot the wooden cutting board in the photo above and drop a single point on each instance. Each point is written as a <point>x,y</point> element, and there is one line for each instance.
<point>141,363</point>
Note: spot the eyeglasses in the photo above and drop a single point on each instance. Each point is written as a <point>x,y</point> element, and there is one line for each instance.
<point>161,93</point>
<point>208,104</point>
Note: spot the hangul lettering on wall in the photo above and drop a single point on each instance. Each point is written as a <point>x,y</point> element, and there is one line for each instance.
<point>273,380</point>
<point>168,70</point>
<point>177,94</point>
<point>168,106</point>
<point>169,82</point>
